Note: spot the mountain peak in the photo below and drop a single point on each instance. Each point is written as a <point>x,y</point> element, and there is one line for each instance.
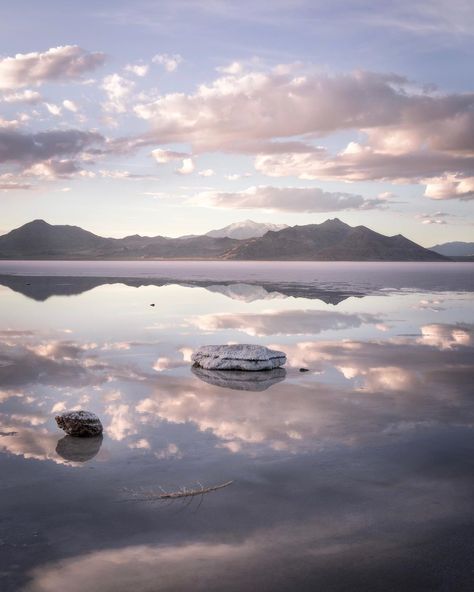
<point>38,222</point>
<point>334,222</point>
<point>245,230</point>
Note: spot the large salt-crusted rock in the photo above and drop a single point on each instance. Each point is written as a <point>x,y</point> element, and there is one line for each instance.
<point>80,423</point>
<point>241,381</point>
<point>238,357</point>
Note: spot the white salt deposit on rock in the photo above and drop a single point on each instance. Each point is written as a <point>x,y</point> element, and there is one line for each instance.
<point>80,423</point>
<point>238,357</point>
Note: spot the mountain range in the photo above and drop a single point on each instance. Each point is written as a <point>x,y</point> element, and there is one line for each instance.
<point>332,240</point>
<point>455,249</point>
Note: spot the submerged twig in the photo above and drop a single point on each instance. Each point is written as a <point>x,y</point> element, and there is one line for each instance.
<point>173,495</point>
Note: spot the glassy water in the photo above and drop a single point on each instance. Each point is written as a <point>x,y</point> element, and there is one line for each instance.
<point>354,475</point>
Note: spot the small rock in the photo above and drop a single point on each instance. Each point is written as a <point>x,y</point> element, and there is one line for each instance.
<point>152,305</point>
<point>304,369</point>
<point>238,357</point>
<point>80,423</point>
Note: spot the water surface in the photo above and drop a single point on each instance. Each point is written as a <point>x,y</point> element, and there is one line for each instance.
<point>355,475</point>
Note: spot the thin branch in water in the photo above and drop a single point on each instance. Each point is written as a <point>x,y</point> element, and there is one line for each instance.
<point>151,496</point>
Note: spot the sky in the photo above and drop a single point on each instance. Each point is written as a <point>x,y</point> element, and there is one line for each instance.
<point>175,117</point>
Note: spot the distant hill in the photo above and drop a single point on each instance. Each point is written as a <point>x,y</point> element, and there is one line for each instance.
<point>40,240</point>
<point>244,230</point>
<point>454,249</point>
<point>332,240</point>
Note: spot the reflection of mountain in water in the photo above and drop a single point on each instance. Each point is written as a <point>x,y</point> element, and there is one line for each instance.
<point>240,380</point>
<point>78,449</point>
<point>41,288</point>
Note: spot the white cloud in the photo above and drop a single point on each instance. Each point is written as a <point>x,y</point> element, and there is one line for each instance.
<point>25,96</point>
<point>450,187</point>
<point>187,167</point>
<point>233,68</point>
<point>118,90</point>
<point>53,109</point>
<point>58,63</point>
<point>287,199</point>
<point>70,105</point>
<point>206,173</point>
<point>140,70</point>
<point>409,133</point>
<point>169,62</point>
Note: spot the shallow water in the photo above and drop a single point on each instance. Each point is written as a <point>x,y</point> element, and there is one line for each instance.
<point>356,475</point>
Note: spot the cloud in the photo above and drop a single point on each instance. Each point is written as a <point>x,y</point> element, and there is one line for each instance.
<point>405,133</point>
<point>362,163</point>
<point>436,218</point>
<point>140,70</point>
<point>66,62</point>
<point>13,185</point>
<point>53,109</point>
<point>187,167</point>
<point>27,149</point>
<point>206,173</point>
<point>25,96</point>
<point>162,156</point>
<point>286,199</point>
<point>70,105</point>
<point>169,62</point>
<point>233,68</point>
<point>239,112</point>
<point>118,90</point>
<point>450,187</point>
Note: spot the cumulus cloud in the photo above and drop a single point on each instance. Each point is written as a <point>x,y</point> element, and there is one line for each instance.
<point>286,199</point>
<point>66,62</point>
<point>411,134</point>
<point>169,62</point>
<point>70,105</point>
<point>140,70</point>
<point>232,68</point>
<point>265,106</point>
<point>362,163</point>
<point>450,187</point>
<point>118,90</point>
<point>187,167</point>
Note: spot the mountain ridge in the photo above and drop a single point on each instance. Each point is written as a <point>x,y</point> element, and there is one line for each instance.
<point>454,249</point>
<point>332,240</point>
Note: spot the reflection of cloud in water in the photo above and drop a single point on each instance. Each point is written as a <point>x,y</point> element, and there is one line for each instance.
<point>339,540</point>
<point>420,378</point>
<point>445,336</point>
<point>76,449</point>
<point>288,322</point>
<point>241,380</point>
<point>31,444</point>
